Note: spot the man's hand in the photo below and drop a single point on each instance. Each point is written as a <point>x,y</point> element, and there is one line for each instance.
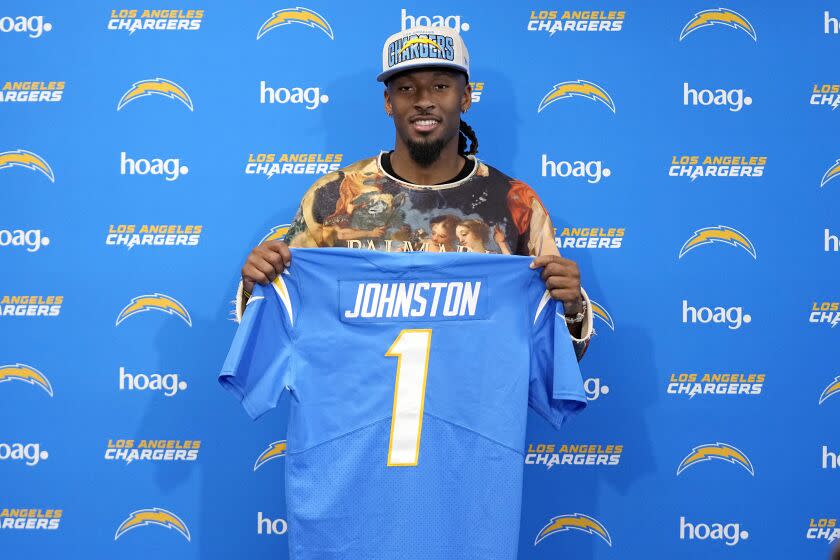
<point>264,263</point>
<point>562,280</point>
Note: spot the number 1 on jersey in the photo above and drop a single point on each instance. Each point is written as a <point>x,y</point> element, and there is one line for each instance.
<point>411,348</point>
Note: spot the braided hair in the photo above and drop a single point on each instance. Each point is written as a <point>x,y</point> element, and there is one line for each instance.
<point>467,133</point>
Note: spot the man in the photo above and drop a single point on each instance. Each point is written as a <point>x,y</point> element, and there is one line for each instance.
<point>430,193</point>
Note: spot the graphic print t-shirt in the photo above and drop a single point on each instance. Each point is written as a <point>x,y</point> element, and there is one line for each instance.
<point>410,377</point>
<point>361,206</point>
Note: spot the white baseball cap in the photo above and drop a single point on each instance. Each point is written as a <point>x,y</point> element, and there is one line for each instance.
<point>422,46</point>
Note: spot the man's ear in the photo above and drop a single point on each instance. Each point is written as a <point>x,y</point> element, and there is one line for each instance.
<point>388,109</point>
<point>466,102</point>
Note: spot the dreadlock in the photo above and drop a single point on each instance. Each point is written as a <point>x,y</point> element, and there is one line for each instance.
<point>467,133</point>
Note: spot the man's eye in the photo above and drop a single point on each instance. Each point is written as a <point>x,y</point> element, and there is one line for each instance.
<point>442,86</point>
<point>405,88</point>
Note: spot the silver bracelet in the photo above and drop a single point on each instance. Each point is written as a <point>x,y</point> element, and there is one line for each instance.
<point>579,317</point>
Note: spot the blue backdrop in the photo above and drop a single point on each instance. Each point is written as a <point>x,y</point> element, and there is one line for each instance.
<point>713,374</point>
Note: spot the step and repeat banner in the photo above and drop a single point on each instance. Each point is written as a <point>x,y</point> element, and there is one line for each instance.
<point>686,151</point>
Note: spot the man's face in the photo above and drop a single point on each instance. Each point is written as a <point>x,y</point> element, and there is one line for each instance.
<point>426,105</point>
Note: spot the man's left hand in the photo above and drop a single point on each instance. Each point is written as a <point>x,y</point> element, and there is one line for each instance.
<point>562,280</point>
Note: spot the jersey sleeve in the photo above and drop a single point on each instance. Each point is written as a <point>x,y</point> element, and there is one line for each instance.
<point>556,386</point>
<point>258,365</point>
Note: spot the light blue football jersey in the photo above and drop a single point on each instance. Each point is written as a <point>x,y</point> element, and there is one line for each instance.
<point>410,376</point>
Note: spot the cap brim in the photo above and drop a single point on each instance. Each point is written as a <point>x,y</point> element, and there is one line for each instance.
<point>424,64</point>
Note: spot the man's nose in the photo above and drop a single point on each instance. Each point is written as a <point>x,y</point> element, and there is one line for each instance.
<point>424,100</point>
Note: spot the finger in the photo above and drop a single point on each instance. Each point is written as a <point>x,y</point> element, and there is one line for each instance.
<point>560,282</point>
<point>281,248</point>
<point>252,275</point>
<point>542,260</point>
<point>568,297</point>
<point>266,268</point>
<point>561,268</point>
<point>555,269</point>
<point>276,259</point>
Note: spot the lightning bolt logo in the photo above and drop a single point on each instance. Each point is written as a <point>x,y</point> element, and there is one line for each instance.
<point>155,86</point>
<point>599,311</point>
<point>832,389</point>
<point>288,16</point>
<point>27,374</point>
<point>721,234</point>
<point>27,159</point>
<point>720,451</point>
<point>579,88</point>
<point>419,41</point>
<point>721,16</point>
<point>277,232</point>
<point>283,292</point>
<point>152,516</point>
<point>832,172</point>
<point>577,521</point>
<point>275,450</point>
<point>158,302</point>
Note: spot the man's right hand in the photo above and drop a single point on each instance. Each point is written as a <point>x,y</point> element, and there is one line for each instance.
<point>264,263</point>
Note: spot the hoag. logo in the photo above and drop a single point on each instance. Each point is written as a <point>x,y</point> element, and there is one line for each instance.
<point>732,317</point>
<point>594,388</point>
<point>33,26</point>
<point>729,533</point>
<point>167,383</point>
<point>733,99</point>
<point>30,239</point>
<point>311,96</point>
<point>592,171</point>
<point>407,20</point>
<point>267,526</point>
<point>170,168</point>
<point>30,453</point>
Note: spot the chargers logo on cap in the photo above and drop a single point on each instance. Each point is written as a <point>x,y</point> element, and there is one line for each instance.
<point>832,389</point>
<point>418,41</point>
<point>599,311</point>
<point>25,158</point>
<point>722,234</point>
<point>277,232</point>
<point>159,302</point>
<point>582,88</point>
<point>153,516</point>
<point>156,86</point>
<point>720,451</point>
<point>577,521</point>
<point>27,374</point>
<point>721,16</point>
<point>304,16</point>
<point>275,450</point>
<point>832,172</point>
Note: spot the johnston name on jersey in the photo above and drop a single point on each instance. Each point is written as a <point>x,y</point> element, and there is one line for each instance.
<point>410,377</point>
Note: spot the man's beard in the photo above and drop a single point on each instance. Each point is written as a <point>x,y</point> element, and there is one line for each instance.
<point>425,153</point>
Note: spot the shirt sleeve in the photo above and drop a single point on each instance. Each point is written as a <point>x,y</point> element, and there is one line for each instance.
<point>537,238</point>
<point>556,386</point>
<point>258,365</point>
